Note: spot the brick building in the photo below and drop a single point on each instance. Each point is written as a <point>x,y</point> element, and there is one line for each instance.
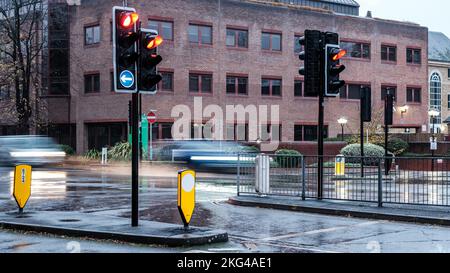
<point>230,52</point>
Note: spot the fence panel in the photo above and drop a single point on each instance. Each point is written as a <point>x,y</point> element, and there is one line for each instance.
<point>409,181</point>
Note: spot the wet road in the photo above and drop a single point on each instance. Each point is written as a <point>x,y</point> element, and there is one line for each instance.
<point>250,229</point>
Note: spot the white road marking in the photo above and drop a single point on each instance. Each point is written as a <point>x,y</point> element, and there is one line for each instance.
<point>317,231</point>
<point>301,248</point>
<point>196,251</point>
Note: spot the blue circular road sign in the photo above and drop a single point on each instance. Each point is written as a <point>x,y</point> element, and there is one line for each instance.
<point>127,79</point>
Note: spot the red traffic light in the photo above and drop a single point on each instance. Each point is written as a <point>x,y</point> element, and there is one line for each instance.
<point>338,54</point>
<point>154,41</point>
<point>128,19</point>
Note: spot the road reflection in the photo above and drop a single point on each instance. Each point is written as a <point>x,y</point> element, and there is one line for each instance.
<point>45,184</point>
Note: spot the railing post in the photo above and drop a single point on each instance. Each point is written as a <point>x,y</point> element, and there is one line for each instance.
<point>238,178</point>
<point>303,179</point>
<point>380,184</point>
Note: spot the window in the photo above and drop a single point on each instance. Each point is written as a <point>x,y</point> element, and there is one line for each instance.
<point>298,88</point>
<point>64,134</point>
<point>352,91</point>
<point>385,89</point>
<point>270,132</point>
<point>271,41</point>
<point>308,132</point>
<point>199,34</point>
<point>106,135</point>
<point>237,132</point>
<point>413,56</point>
<point>166,130</point>
<point>92,83</point>
<point>166,83</point>
<point>414,95</point>
<point>271,87</point>
<point>357,50</point>
<point>448,101</point>
<point>298,48</point>
<point>200,83</point>
<point>449,73</point>
<point>164,28</point>
<point>162,130</point>
<point>237,38</point>
<point>5,92</point>
<point>58,50</point>
<point>436,94</point>
<point>237,85</point>
<point>92,35</point>
<point>298,133</point>
<point>389,53</point>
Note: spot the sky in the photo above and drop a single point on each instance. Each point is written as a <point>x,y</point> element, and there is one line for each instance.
<point>433,14</point>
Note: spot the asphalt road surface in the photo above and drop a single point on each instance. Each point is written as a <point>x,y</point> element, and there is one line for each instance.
<point>251,229</point>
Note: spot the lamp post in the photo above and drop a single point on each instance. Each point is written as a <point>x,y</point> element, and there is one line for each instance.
<point>433,113</point>
<point>342,121</point>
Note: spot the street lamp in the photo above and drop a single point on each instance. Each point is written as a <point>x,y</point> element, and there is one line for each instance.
<point>404,109</point>
<point>342,121</point>
<point>433,113</point>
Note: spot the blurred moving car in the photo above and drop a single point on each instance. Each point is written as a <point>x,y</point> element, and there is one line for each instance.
<point>32,150</point>
<point>209,155</point>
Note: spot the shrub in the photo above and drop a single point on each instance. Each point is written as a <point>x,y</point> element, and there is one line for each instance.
<point>288,158</point>
<point>120,152</point>
<point>397,146</point>
<point>250,150</point>
<point>92,155</point>
<point>67,149</point>
<point>371,151</point>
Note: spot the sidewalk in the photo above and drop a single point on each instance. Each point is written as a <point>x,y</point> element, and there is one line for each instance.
<point>413,214</point>
<point>86,225</point>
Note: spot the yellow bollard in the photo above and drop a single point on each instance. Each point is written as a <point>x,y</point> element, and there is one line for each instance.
<point>22,185</point>
<point>186,195</point>
<point>339,166</point>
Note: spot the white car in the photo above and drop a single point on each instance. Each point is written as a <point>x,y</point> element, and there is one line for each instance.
<point>32,150</point>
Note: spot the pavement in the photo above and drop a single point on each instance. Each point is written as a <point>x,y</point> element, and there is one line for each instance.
<point>104,193</point>
<point>413,214</point>
<point>100,227</point>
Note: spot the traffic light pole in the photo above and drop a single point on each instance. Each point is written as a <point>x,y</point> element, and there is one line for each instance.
<point>321,124</point>
<point>363,93</point>
<point>386,134</point>
<point>320,147</point>
<point>135,161</point>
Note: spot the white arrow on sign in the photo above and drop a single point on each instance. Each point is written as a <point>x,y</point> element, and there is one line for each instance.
<point>126,79</point>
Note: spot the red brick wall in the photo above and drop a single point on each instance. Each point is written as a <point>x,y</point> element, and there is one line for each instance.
<point>310,148</point>
<point>182,57</point>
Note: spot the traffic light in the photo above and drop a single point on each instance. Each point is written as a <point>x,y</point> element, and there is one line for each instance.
<point>312,43</point>
<point>149,41</point>
<point>125,55</point>
<point>333,83</point>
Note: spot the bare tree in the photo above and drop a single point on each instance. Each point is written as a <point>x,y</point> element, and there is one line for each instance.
<point>21,45</point>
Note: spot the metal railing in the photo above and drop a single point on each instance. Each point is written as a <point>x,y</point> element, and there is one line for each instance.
<point>409,180</point>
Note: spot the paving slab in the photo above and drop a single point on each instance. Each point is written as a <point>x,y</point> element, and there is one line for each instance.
<point>389,212</point>
<point>75,224</point>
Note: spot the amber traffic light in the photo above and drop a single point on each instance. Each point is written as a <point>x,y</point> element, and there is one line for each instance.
<point>148,60</point>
